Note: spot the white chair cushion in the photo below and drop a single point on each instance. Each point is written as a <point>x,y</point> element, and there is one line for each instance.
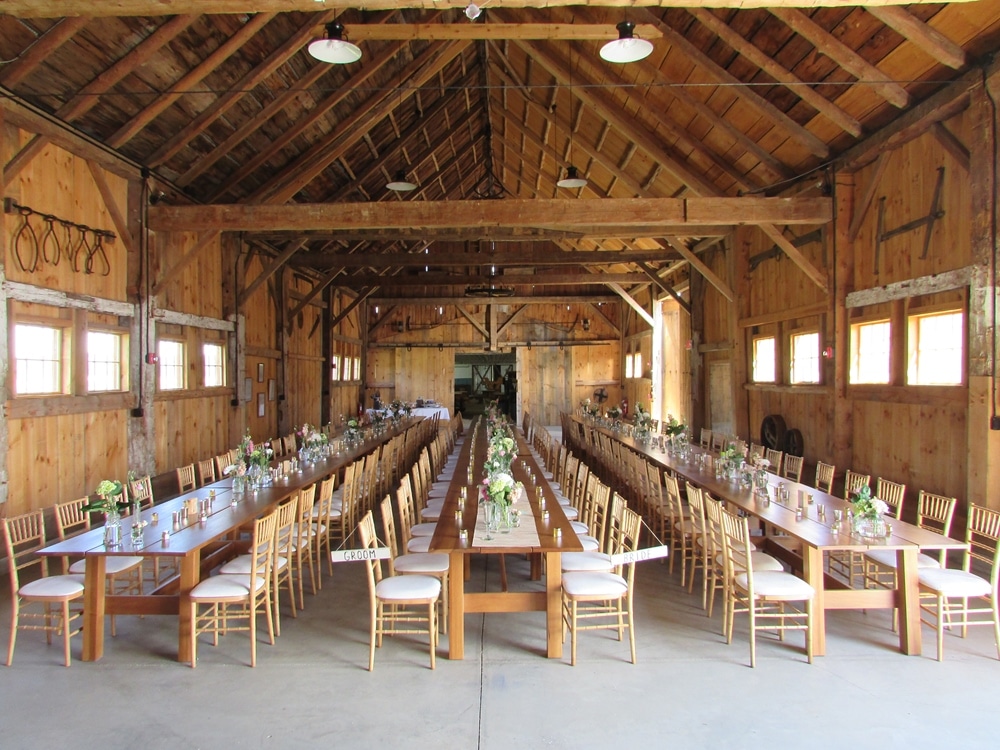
<point>421,562</point>
<point>887,559</point>
<point>580,527</point>
<point>401,588</point>
<point>953,583</point>
<point>571,513</point>
<point>419,544</point>
<point>590,543</point>
<point>586,562</point>
<point>430,514</point>
<point>225,587</point>
<point>562,499</point>
<point>423,529</point>
<point>775,585</point>
<point>113,565</point>
<point>53,586</point>
<point>241,565</point>
<point>605,585</point>
<point>758,561</point>
<point>334,513</point>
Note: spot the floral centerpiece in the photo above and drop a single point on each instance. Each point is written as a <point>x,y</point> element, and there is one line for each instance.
<point>589,409</point>
<point>868,511</point>
<point>614,413</point>
<point>499,453</point>
<point>730,459</point>
<point>352,431</point>
<point>498,493</point>
<point>251,465</point>
<point>761,466</point>
<point>673,426</point>
<point>110,501</point>
<point>642,420</point>
<point>399,410</point>
<point>312,442</point>
<point>378,420</point>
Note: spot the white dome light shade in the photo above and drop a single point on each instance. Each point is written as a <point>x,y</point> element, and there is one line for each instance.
<point>572,180</point>
<point>335,49</point>
<point>400,184</point>
<point>626,48</point>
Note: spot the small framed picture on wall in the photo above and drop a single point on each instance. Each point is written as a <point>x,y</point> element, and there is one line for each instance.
<point>335,367</point>
<point>260,404</point>
<point>260,372</point>
<point>271,388</point>
<point>247,389</point>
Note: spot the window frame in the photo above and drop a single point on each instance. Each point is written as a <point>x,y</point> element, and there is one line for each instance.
<point>123,359</point>
<point>182,343</point>
<point>222,366</point>
<point>854,342</point>
<point>64,362</point>
<point>774,357</point>
<point>792,336</point>
<point>913,320</point>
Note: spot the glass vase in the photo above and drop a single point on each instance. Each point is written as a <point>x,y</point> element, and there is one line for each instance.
<point>868,527</point>
<point>113,528</point>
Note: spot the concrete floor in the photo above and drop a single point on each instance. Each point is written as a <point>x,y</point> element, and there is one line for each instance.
<point>688,690</point>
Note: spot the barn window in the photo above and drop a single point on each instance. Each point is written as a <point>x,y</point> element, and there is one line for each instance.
<point>172,367</point>
<point>805,358</point>
<point>104,361</point>
<point>38,356</point>
<point>935,349</point>
<point>763,360</point>
<point>870,348</point>
<point>215,365</point>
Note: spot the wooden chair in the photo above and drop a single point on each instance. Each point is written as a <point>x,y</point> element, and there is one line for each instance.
<point>776,458</point>
<point>302,554</point>
<point>718,441</point>
<point>415,563</point>
<point>960,598</point>
<point>222,462</point>
<point>767,596</point>
<point>699,541</point>
<point>756,451</point>
<point>325,517</point>
<point>206,472</point>
<point>603,599</point>
<point>233,597</point>
<point>854,481</point>
<point>185,478</point>
<point>706,438</point>
<point>680,524</point>
<point>141,490</point>
<point>891,493</point>
<point>122,572</point>
<point>397,602</point>
<point>23,536</point>
<point>599,560</point>
<point>824,477</point>
<point>793,468</point>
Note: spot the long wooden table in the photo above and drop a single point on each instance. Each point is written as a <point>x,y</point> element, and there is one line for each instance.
<point>817,536</point>
<point>196,546</point>
<point>447,539</point>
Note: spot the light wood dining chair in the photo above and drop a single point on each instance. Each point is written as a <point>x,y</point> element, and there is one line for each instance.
<point>892,494</point>
<point>718,440</point>
<point>23,536</point>
<point>185,478</point>
<point>303,557</point>
<point>705,439</point>
<point>122,572</point>
<point>415,563</point>
<point>220,601</point>
<point>397,603</point>
<point>603,600</point>
<point>681,528</point>
<point>326,517</point>
<point>824,477</point>
<point>756,451</point>
<point>699,541</point>
<point>776,458</point>
<point>854,481</point>
<point>954,598</point>
<point>793,467</point>
<point>206,472</point>
<point>222,462</point>
<point>767,596</point>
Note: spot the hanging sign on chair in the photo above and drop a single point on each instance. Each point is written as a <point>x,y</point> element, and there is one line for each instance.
<point>360,555</point>
<point>640,555</point>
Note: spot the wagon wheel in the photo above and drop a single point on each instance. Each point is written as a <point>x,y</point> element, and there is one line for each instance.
<point>793,443</point>
<point>772,432</point>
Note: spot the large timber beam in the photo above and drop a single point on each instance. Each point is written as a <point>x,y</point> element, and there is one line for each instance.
<point>668,213</point>
<point>630,301</point>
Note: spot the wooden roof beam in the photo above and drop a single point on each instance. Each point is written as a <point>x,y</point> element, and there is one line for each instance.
<point>844,56</point>
<point>238,90</point>
<point>39,50</point>
<point>767,64</point>
<point>610,213</point>
<point>348,132</point>
<point>660,283</point>
<point>724,289</point>
<point>189,80</point>
<point>358,80</point>
<point>501,259</point>
<point>631,302</point>
<point>923,35</point>
<point>446,32</point>
<point>816,275</point>
<point>738,87</point>
<point>514,279</point>
<point>542,299</point>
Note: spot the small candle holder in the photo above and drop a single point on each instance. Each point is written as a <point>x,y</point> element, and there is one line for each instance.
<point>545,516</point>
<point>463,536</point>
<point>557,533</point>
<point>165,538</point>
<point>458,516</point>
<point>155,518</point>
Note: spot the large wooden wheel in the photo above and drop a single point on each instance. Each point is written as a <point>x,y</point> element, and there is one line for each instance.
<point>773,432</point>
<point>793,443</point>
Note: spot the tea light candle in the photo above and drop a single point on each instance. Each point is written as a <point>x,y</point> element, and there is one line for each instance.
<point>809,498</point>
<point>155,518</point>
<point>798,514</point>
<point>458,516</point>
<point>545,516</point>
<point>463,536</point>
<point>557,533</point>
<point>165,538</point>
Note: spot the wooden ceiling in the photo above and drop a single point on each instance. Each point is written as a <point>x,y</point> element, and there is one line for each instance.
<point>221,102</point>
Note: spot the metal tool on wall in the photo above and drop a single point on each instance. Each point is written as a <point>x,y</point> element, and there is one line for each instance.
<point>36,247</point>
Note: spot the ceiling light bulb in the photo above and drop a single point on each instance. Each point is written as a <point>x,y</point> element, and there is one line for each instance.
<point>626,48</point>
<point>473,11</point>
<point>400,184</point>
<point>335,49</point>
<point>572,180</point>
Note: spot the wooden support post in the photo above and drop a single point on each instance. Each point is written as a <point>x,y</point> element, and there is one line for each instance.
<point>282,336</point>
<point>326,390</point>
<point>233,273</point>
<point>843,264</point>
<point>983,466</point>
<point>739,274</point>
<point>142,340</point>
<point>4,330</point>
<point>699,408</point>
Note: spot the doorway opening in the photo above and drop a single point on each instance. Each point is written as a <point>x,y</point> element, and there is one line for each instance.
<point>483,378</point>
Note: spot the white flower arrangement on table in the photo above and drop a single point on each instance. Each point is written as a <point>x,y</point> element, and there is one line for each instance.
<point>673,426</point>
<point>865,505</point>
<point>110,498</point>
<point>642,419</point>
<point>500,488</point>
<point>614,413</point>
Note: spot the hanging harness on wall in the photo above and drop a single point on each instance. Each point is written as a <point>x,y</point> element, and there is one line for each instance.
<point>34,248</point>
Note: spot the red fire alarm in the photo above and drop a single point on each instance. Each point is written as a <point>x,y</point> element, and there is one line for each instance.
<point>152,358</point>
<point>828,352</point>
<point>688,345</point>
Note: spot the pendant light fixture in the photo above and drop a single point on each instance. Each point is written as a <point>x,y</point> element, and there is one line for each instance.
<point>627,47</point>
<point>573,179</point>
<point>399,183</point>
<point>334,48</point>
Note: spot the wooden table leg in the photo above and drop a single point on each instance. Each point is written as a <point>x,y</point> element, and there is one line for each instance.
<point>189,577</point>
<point>553,604</point>
<point>456,605</point>
<point>812,564</point>
<point>908,601</point>
<point>94,587</point>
